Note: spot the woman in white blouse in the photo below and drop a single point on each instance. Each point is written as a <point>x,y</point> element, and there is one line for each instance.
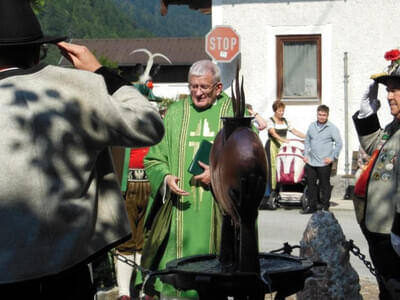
<point>277,127</point>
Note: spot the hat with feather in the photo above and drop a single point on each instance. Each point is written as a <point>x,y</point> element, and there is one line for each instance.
<point>392,71</point>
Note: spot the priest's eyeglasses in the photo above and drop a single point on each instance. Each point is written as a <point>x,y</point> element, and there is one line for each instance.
<point>202,87</point>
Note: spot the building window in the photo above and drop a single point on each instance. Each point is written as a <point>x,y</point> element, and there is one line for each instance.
<point>299,68</point>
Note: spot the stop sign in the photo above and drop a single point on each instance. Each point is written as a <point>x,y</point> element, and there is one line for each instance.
<point>222,43</point>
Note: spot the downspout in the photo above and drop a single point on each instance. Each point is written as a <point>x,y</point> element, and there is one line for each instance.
<point>346,121</point>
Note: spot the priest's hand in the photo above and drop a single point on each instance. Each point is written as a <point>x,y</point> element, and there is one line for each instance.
<point>172,182</point>
<point>205,176</point>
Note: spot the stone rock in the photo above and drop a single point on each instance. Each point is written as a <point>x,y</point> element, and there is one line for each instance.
<point>323,241</point>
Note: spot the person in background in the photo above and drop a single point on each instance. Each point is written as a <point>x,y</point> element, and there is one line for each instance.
<point>258,122</point>
<point>322,146</point>
<point>277,127</point>
<point>376,192</point>
<point>136,188</point>
<point>60,199</point>
<point>182,218</point>
<point>362,162</point>
<point>163,110</point>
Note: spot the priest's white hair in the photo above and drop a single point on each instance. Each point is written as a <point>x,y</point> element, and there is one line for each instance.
<point>203,67</point>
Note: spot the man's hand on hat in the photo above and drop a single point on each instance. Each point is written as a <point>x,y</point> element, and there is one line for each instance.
<point>79,56</point>
<point>369,101</point>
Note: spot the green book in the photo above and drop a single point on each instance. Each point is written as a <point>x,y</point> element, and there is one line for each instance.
<point>203,155</point>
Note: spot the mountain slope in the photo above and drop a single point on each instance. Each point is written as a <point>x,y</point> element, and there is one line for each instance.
<point>120,19</point>
<point>179,22</point>
<point>88,19</point>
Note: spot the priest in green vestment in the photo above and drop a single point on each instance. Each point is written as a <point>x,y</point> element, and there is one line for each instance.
<point>182,217</point>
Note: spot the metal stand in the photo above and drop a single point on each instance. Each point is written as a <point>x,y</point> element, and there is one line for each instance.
<point>240,271</point>
<point>280,273</point>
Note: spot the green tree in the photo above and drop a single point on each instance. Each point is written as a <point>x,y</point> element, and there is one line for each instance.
<point>105,61</point>
<point>37,5</point>
<point>116,19</point>
<point>181,21</point>
<point>88,19</point>
<point>85,19</point>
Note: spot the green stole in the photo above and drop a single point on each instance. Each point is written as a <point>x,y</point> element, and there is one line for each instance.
<point>183,226</point>
<point>125,169</point>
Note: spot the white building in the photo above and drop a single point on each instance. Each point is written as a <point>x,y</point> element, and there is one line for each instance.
<point>274,32</point>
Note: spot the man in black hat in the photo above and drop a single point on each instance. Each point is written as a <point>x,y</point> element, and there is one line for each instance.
<point>377,192</point>
<point>60,203</point>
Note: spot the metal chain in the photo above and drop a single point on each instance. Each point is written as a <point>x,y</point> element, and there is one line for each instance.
<point>129,262</point>
<point>147,274</point>
<point>349,245</point>
<point>286,249</point>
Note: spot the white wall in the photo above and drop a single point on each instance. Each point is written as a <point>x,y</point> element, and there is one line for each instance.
<point>170,90</point>
<point>365,29</point>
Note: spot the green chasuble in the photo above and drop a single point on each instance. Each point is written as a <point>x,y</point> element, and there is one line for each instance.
<point>187,225</point>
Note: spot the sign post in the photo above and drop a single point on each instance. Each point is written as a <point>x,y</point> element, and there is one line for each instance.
<point>222,44</point>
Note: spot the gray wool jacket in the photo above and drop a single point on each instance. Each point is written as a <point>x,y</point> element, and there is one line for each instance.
<point>378,209</point>
<point>60,202</point>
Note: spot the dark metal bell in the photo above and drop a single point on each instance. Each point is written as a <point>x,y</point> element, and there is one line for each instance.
<point>238,169</point>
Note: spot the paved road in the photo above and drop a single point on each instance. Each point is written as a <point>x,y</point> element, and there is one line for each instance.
<point>287,225</point>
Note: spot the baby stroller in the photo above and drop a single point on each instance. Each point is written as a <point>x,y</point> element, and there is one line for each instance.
<point>291,183</point>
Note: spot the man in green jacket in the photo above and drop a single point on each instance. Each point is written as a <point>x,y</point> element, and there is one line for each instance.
<point>181,210</point>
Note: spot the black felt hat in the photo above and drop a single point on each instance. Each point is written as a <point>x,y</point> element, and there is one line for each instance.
<point>19,25</point>
<point>392,71</point>
<point>384,78</point>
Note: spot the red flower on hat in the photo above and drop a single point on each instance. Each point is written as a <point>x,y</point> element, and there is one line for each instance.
<point>392,55</point>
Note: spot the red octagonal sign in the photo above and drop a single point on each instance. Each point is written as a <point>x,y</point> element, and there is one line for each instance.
<point>222,43</point>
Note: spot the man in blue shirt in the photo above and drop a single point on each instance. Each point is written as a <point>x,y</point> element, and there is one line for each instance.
<point>322,146</point>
